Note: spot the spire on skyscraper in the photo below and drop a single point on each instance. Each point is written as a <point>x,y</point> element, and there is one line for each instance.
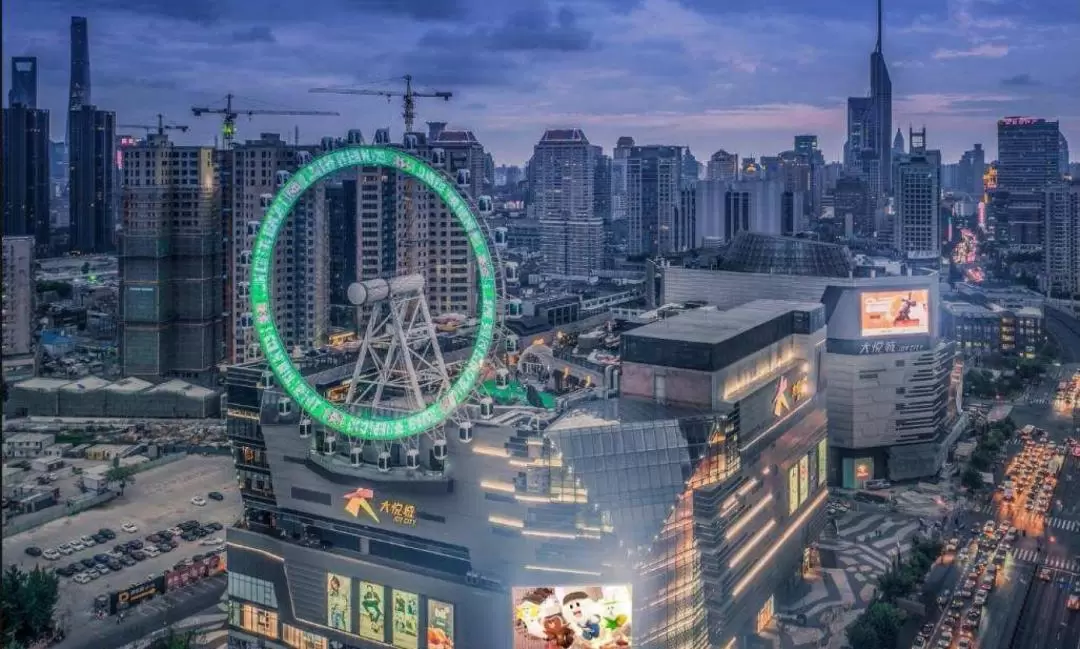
<point>880,13</point>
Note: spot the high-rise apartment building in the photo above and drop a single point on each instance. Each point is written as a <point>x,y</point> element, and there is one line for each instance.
<point>563,173</point>
<point>917,231</point>
<point>26,174</point>
<point>852,204</point>
<point>18,298</point>
<point>725,209</point>
<point>722,166</point>
<point>653,201</point>
<point>1029,154</point>
<point>170,262</point>
<point>301,258</point>
<point>618,176</point>
<point>971,170</point>
<point>1062,244</point>
<point>23,81</point>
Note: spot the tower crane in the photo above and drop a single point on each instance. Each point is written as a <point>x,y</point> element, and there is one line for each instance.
<point>160,128</point>
<point>229,113</point>
<point>408,96</point>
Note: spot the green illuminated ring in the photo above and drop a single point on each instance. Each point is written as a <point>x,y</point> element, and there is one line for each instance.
<point>368,427</point>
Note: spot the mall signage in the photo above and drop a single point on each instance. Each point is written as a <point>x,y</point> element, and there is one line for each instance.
<point>864,347</point>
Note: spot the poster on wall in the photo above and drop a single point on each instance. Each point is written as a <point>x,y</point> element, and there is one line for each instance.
<point>813,468</point>
<point>895,313</point>
<point>573,617</point>
<point>338,601</point>
<point>372,623</point>
<point>804,479</point>
<point>405,619</point>
<point>793,488</point>
<point>440,625</point>
<point>822,461</point>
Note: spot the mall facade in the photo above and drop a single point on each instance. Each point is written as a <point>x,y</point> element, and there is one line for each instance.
<point>669,516</point>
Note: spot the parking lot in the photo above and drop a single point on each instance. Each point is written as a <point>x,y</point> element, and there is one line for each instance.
<point>159,499</point>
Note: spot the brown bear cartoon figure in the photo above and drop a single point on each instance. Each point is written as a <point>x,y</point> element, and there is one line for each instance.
<point>559,635</point>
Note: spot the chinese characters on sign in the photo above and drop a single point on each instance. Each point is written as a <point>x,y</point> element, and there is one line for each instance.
<point>888,347</point>
<point>401,513</point>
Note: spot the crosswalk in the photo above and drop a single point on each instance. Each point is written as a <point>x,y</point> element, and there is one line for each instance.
<point>1063,524</point>
<point>1027,555</point>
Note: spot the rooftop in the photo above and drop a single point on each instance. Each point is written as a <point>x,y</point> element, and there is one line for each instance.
<point>176,386</point>
<point>709,326</point>
<point>564,135</point>
<point>129,385</point>
<point>42,383</point>
<point>30,437</point>
<point>86,384</point>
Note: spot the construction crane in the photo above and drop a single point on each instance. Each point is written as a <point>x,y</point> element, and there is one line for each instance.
<point>229,113</point>
<point>408,97</point>
<point>160,128</point>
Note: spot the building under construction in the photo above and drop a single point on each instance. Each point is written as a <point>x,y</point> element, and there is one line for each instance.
<point>170,261</point>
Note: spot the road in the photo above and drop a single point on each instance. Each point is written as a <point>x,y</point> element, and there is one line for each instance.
<point>160,498</point>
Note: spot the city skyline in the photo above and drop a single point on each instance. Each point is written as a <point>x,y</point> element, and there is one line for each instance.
<point>661,71</point>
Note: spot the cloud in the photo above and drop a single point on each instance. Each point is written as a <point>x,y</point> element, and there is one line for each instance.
<point>984,51</point>
<point>1019,80</point>
<point>256,34</point>
<point>417,10</point>
<point>536,29</point>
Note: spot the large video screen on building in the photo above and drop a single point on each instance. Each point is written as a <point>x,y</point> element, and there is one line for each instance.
<point>895,313</point>
<point>573,617</point>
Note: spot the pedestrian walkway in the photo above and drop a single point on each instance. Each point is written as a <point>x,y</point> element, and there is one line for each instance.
<point>1063,524</point>
<point>1027,555</point>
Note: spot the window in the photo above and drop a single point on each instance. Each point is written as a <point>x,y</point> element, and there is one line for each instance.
<point>255,590</point>
<point>254,619</point>
<point>300,639</point>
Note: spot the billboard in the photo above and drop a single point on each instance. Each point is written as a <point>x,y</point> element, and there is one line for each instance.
<point>198,570</point>
<point>793,489</point>
<point>572,617</point>
<point>405,619</point>
<point>822,460</point>
<point>440,625</point>
<point>338,601</point>
<point>895,313</point>
<point>132,595</point>
<point>813,482</point>
<point>372,622</point>
<point>804,479</point>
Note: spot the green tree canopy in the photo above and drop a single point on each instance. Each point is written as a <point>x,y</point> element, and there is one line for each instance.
<point>971,478</point>
<point>27,603</point>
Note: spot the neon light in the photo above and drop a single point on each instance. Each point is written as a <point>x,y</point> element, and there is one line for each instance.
<point>751,544</point>
<point>367,427</point>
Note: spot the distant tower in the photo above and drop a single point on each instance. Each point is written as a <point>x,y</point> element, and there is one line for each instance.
<point>79,94</point>
<point>23,82</point>
<point>898,143</point>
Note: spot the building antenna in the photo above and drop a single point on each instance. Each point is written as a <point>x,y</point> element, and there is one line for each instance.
<point>880,12</point>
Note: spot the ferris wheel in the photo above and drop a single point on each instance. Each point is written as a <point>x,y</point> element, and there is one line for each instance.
<point>401,389</point>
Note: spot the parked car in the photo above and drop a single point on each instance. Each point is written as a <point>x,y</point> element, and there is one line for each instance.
<point>215,495</point>
<point>130,528</point>
<point>34,551</point>
<point>198,501</point>
<point>51,554</point>
<point>127,561</point>
<point>82,578</point>
<point>138,555</point>
<point>88,562</point>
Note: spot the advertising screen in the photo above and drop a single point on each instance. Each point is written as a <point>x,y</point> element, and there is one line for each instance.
<point>198,570</point>
<point>132,595</point>
<point>804,479</point>
<point>440,625</point>
<point>822,455</point>
<point>338,601</point>
<point>572,617</point>
<point>895,313</point>
<point>813,469</point>
<point>405,620</point>
<point>372,623</point>
<point>793,489</point>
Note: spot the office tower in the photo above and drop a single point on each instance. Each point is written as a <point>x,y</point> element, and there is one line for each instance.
<point>618,177</point>
<point>737,472</point>
<point>898,143</point>
<point>26,189</point>
<point>23,81</point>
<point>1029,154</point>
<point>723,166</point>
<point>691,168</point>
<point>170,262</point>
<point>91,185</point>
<point>653,180</point>
<point>1062,243</point>
<point>572,236</point>
<point>79,89</point>
<point>918,232</point>
<point>726,209</point>
<point>1063,155</point>
<point>868,150</point>
<point>852,202</point>
<point>301,258</point>
<point>971,170</point>
<point>806,146</point>
<point>602,186</point>
<point>18,298</point>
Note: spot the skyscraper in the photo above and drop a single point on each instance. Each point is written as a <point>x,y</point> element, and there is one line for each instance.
<point>653,201</point>
<point>18,295</point>
<point>723,166</point>
<point>1062,245</point>
<point>917,225</point>
<point>1029,154</point>
<point>869,148</point>
<point>91,169</point>
<point>170,261</point>
<point>26,174</point>
<point>563,175</point>
<point>79,93</point>
<point>972,168</point>
<point>23,81</point>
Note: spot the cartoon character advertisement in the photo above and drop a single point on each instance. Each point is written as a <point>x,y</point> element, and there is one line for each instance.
<point>405,619</point>
<point>440,625</point>
<point>573,617</point>
<point>338,601</point>
<point>372,624</point>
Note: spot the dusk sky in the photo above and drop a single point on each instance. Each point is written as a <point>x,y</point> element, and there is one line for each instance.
<point>711,74</point>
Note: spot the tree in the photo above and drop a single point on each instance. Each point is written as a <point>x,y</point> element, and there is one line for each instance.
<point>971,478</point>
<point>861,635</point>
<point>27,601</point>
<point>121,475</point>
<point>895,583</point>
<point>885,620</point>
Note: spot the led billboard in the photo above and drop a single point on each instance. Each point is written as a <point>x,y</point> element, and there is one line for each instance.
<point>895,313</point>
<point>338,601</point>
<point>440,625</point>
<point>822,461</point>
<point>804,479</point>
<point>405,620</point>
<point>372,623</point>
<point>572,617</point>
<point>793,489</point>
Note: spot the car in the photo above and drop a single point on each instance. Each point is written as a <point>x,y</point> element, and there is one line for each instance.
<point>64,548</point>
<point>198,501</point>
<point>139,555</point>
<point>75,568</point>
<point>188,525</point>
<point>102,569</point>
<point>151,551</point>
<point>164,547</point>
<point>1045,575</point>
<point>217,540</point>
<point>172,543</point>
<point>82,578</point>
<point>114,565</point>
<point>153,538</point>
<point>188,536</point>
<point>107,533</point>
<point>64,571</point>
<point>130,528</point>
<point>88,562</point>
<point>101,558</point>
<point>127,561</point>
<point>214,525</point>
<point>77,546</point>
<point>957,604</point>
<point>920,642</point>
<point>87,540</point>
<point>215,495</point>
<point>135,543</point>
<point>115,556</point>
<point>963,643</point>
<point>33,551</point>
<point>176,531</point>
<point>99,539</point>
<point>942,643</point>
<point>93,574</point>
<point>51,554</point>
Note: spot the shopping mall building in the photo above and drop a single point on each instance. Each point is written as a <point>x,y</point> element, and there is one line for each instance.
<point>668,516</point>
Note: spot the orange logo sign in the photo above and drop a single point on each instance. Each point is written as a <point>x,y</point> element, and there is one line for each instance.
<point>361,499</point>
